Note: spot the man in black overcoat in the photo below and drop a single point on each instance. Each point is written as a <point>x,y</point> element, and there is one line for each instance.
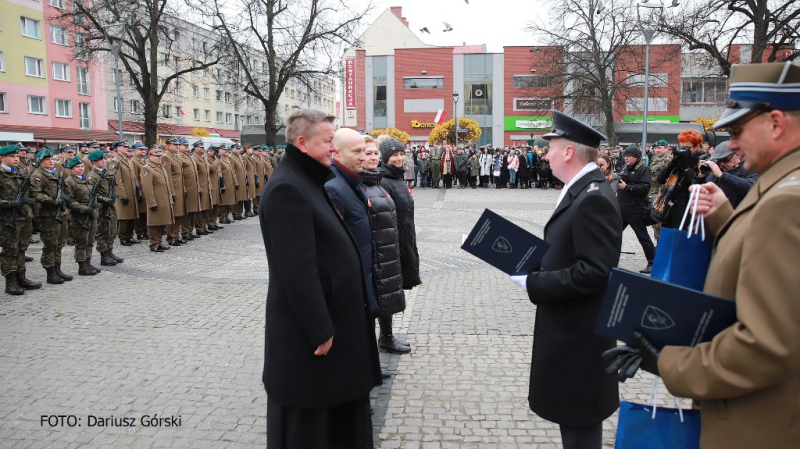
<point>321,357</point>
<point>568,384</point>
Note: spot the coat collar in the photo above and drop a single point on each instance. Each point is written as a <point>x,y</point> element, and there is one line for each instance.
<point>593,176</point>
<point>785,165</point>
<point>318,173</point>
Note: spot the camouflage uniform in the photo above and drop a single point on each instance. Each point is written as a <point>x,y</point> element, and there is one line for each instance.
<point>44,186</point>
<point>656,166</point>
<point>106,216</point>
<point>16,237</point>
<point>79,190</point>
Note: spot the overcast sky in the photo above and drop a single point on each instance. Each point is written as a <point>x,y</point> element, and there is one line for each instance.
<point>495,23</point>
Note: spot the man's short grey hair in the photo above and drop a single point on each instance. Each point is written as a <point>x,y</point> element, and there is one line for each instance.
<point>302,121</point>
<point>585,152</point>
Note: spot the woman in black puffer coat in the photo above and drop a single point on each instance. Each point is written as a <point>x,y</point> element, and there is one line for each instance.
<point>392,157</point>
<point>386,269</point>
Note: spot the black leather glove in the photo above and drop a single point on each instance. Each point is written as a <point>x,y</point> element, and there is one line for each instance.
<point>28,200</point>
<point>16,203</point>
<point>236,187</point>
<point>626,360</point>
<point>124,200</point>
<point>222,190</point>
<point>200,193</point>
<point>153,208</point>
<point>173,198</point>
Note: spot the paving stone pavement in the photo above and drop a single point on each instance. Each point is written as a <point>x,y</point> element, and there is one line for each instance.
<point>180,335</point>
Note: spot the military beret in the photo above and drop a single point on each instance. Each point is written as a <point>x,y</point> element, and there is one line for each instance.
<point>9,149</point>
<point>43,154</point>
<point>660,143</point>
<point>96,155</point>
<point>570,128</point>
<point>74,161</point>
<point>756,88</point>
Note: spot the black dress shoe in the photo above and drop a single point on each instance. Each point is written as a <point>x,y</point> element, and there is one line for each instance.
<point>648,269</point>
<point>175,243</point>
<point>202,232</point>
<point>188,237</point>
<point>391,344</point>
<point>164,248</point>
<point>183,241</point>
<point>385,374</point>
<point>194,236</point>
<point>157,249</point>
<point>126,243</point>
<point>28,259</point>
<point>218,227</point>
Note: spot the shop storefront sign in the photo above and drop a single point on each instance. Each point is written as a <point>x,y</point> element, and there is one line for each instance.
<point>416,124</point>
<point>350,82</point>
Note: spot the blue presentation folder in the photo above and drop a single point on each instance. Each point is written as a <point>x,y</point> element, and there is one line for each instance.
<point>667,314</point>
<point>505,245</point>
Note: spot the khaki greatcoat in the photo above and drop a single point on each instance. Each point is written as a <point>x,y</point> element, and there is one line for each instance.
<point>228,197</point>
<point>239,173</point>
<point>203,181</point>
<point>190,183</point>
<point>157,192</point>
<point>250,173</point>
<point>172,166</point>
<point>127,180</point>
<point>213,179</point>
<point>747,379</point>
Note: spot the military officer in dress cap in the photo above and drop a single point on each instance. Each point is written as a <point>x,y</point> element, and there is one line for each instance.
<point>172,165</point>
<point>192,194</point>
<point>747,379</point>
<point>214,180</point>
<point>158,194</point>
<point>52,219</point>
<point>568,382</point>
<point>16,227</point>
<point>139,159</point>
<point>127,186</point>
<point>201,218</point>
<point>240,188</point>
<point>83,217</point>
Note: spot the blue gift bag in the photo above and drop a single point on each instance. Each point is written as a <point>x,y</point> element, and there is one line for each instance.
<point>683,257</point>
<point>637,429</point>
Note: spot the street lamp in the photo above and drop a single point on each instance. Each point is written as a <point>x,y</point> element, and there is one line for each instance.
<point>455,114</point>
<point>648,23</point>
<point>115,40</point>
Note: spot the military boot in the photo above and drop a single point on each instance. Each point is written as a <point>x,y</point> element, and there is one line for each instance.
<point>52,276</point>
<point>61,274</point>
<point>106,259</point>
<point>26,283</point>
<point>12,287</point>
<point>114,256</point>
<point>89,263</point>
<point>84,269</point>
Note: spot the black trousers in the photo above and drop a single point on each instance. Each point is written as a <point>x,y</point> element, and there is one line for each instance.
<point>448,181</point>
<point>582,437</point>
<point>344,426</point>
<point>636,222</point>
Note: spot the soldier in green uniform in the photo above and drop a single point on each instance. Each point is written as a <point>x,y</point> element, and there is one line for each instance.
<point>436,165</point>
<point>107,215</point>
<point>52,219</point>
<point>16,226</point>
<point>662,158</point>
<point>79,191</point>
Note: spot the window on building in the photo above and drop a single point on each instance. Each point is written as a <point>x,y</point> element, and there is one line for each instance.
<point>134,106</point>
<point>36,105</point>
<point>219,117</point>
<point>81,49</point>
<point>2,62</point>
<point>205,46</point>
<point>116,75</point>
<point>3,102</point>
<point>228,118</point>
<point>165,108</point>
<point>255,120</point>
<point>654,104</point>
<point>82,75</point>
<point>59,35</point>
<point>711,89</point>
<point>60,71</point>
<point>207,115</point>
<point>206,93</point>
<point>85,115</point>
<point>33,67</point>
<point>380,97</point>
<point>424,83</point>
<point>60,4</point>
<point>176,62</point>
<point>77,17</point>
<point>532,81</point>
<point>131,81</point>
<point>195,44</point>
<point>116,105</point>
<point>197,114</point>
<point>64,108</point>
<point>219,95</point>
<point>656,80</point>
<point>228,97</point>
<point>195,90</point>
<point>30,27</point>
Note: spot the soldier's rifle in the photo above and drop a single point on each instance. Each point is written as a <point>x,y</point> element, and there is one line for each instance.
<point>111,192</point>
<point>60,192</point>
<point>87,222</point>
<point>23,190</point>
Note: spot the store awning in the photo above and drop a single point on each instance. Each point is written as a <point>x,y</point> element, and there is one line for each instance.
<point>172,130</point>
<point>57,135</point>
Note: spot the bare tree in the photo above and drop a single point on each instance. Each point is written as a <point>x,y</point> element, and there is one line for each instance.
<point>593,61</point>
<point>714,26</point>
<point>151,36</point>
<point>292,39</point>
